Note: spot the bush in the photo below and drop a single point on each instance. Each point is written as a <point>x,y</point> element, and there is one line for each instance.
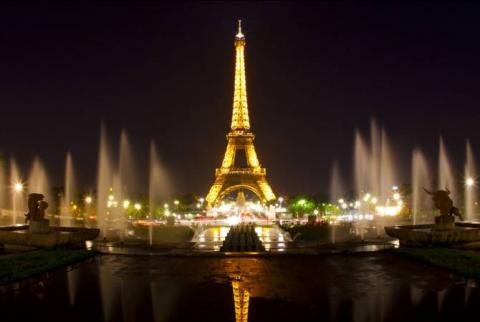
<point>317,232</point>
<point>20,266</point>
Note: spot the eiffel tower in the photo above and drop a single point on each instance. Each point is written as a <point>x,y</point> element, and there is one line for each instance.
<point>250,176</point>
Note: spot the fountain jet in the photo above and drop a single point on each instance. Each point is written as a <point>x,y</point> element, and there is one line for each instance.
<point>420,180</point>
<point>104,181</point>
<point>159,183</point>
<point>445,172</point>
<point>16,190</point>
<point>470,176</point>
<point>67,199</point>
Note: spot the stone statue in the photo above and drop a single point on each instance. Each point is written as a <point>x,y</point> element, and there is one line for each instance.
<point>36,214</point>
<point>36,207</point>
<point>444,203</point>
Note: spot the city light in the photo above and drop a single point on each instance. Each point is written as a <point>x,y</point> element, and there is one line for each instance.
<point>374,200</point>
<point>18,187</point>
<point>280,199</point>
<point>88,200</point>
<point>388,211</point>
<point>126,203</point>
<point>137,206</point>
<point>469,182</point>
<point>396,196</point>
<point>176,202</point>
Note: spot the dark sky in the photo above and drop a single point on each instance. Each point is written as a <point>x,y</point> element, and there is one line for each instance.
<point>315,73</point>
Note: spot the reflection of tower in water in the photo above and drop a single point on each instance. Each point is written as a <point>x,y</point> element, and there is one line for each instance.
<point>241,298</point>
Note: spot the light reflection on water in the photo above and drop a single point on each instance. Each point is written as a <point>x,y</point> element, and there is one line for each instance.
<point>376,288</point>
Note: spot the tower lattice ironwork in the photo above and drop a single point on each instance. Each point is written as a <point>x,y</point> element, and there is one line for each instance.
<point>252,176</point>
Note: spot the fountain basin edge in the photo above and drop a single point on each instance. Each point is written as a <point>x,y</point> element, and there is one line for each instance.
<point>424,235</point>
<point>19,235</point>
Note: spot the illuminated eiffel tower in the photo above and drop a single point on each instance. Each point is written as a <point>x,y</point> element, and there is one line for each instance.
<point>250,176</point>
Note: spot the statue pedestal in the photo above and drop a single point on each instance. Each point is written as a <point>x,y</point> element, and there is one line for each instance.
<point>41,226</point>
<point>444,223</point>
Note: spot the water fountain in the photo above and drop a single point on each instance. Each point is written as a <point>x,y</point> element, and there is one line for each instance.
<point>446,177</point>
<point>39,233</point>
<point>38,180</point>
<point>16,188</point>
<point>444,231</point>
<point>470,175</point>
<point>104,181</point>
<point>3,185</point>
<point>125,181</point>
<point>420,180</point>
<point>67,198</point>
<point>361,161</point>
<point>336,185</point>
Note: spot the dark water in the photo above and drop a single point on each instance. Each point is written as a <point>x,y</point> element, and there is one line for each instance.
<point>359,287</point>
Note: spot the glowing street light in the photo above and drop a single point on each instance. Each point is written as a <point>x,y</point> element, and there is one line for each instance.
<point>165,206</point>
<point>126,203</point>
<point>201,200</point>
<point>18,187</point>
<point>137,206</point>
<point>315,212</point>
<point>396,196</point>
<point>469,182</point>
<point>176,202</point>
<point>88,200</point>
<point>374,200</point>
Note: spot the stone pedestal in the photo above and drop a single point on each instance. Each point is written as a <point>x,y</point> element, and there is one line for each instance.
<point>444,223</point>
<point>41,226</point>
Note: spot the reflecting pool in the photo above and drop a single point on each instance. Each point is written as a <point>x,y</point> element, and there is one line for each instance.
<point>358,287</point>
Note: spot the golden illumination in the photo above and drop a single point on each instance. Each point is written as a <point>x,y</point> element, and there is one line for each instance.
<point>469,182</point>
<point>240,120</point>
<point>88,200</point>
<point>241,298</point>
<point>18,187</point>
<point>240,140</point>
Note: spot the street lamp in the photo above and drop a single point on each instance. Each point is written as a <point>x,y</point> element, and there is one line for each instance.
<point>469,182</point>
<point>88,200</point>
<point>18,187</point>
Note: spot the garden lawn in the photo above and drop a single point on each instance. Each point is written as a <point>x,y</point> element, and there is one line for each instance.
<point>16,267</point>
<point>462,262</point>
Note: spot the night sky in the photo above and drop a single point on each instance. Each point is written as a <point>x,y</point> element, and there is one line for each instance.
<point>315,73</point>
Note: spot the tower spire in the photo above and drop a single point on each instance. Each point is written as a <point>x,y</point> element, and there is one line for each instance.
<point>239,33</point>
<point>240,119</point>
